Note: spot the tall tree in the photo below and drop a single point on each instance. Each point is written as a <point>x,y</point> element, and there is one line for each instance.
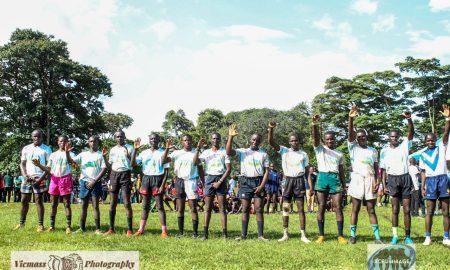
<point>176,123</point>
<point>114,121</point>
<point>209,120</point>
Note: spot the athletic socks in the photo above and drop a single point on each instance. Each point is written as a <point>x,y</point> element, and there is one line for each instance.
<point>244,228</point>
<point>164,228</point>
<point>320,224</point>
<point>446,235</point>
<point>52,221</point>
<point>205,231</point>
<point>181,225</point>
<point>376,231</point>
<point>82,225</point>
<point>340,226</point>
<point>407,233</point>
<point>302,234</point>
<point>22,221</point>
<point>428,234</point>
<point>40,222</point>
<point>260,228</point>
<point>69,221</point>
<point>394,231</point>
<point>130,223</point>
<point>112,218</point>
<point>353,230</point>
<point>195,226</point>
<point>97,224</point>
<point>285,221</point>
<point>224,233</point>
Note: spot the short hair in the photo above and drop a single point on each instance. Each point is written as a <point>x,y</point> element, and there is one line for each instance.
<point>38,131</point>
<point>361,130</point>
<point>186,135</point>
<point>330,132</point>
<point>216,133</point>
<point>395,130</point>
<point>64,137</point>
<point>295,134</point>
<point>95,137</point>
<point>257,134</point>
<point>155,135</point>
<point>431,134</point>
<point>119,130</point>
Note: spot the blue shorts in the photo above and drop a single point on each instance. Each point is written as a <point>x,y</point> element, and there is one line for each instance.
<point>210,190</point>
<point>437,187</point>
<point>96,191</point>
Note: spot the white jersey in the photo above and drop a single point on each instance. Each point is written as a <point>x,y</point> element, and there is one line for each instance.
<point>328,160</point>
<point>58,163</point>
<point>362,159</point>
<point>183,164</point>
<point>152,162</point>
<point>395,160</point>
<point>432,161</point>
<point>215,161</point>
<point>293,162</point>
<point>91,164</point>
<point>120,158</point>
<point>30,152</point>
<point>415,174</point>
<point>252,162</point>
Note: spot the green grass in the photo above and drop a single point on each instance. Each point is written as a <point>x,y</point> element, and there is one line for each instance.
<point>188,253</point>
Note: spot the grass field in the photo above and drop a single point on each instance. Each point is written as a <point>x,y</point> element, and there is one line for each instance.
<point>188,253</point>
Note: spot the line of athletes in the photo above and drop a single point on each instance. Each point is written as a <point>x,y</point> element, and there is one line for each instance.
<point>37,162</point>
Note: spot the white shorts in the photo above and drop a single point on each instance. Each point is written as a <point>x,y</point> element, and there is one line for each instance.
<point>190,187</point>
<point>361,187</point>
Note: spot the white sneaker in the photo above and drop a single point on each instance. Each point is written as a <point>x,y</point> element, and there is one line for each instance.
<point>305,240</point>
<point>427,241</point>
<point>284,238</point>
<point>446,241</point>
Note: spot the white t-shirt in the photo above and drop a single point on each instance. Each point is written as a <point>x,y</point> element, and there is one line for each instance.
<point>415,174</point>
<point>183,164</point>
<point>152,162</point>
<point>447,157</point>
<point>252,162</point>
<point>433,161</point>
<point>30,152</point>
<point>395,160</point>
<point>362,159</point>
<point>120,158</point>
<point>328,160</point>
<point>59,166</point>
<point>293,162</point>
<point>91,164</point>
<point>215,161</point>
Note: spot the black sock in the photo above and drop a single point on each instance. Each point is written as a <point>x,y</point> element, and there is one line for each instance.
<point>224,232</point>
<point>52,221</point>
<point>205,231</point>
<point>340,226</point>
<point>407,232</point>
<point>112,218</point>
<point>244,228</point>
<point>22,221</point>
<point>40,222</point>
<point>181,225</point>
<point>195,226</point>
<point>130,223</point>
<point>97,224</point>
<point>320,223</point>
<point>82,225</point>
<point>69,221</point>
<point>260,228</point>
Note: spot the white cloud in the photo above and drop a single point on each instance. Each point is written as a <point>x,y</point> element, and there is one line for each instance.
<point>432,47</point>
<point>325,23</point>
<point>341,31</point>
<point>364,6</point>
<point>249,33</point>
<point>446,24</point>
<point>384,23</point>
<point>162,29</point>
<point>439,5</point>
<point>416,35</point>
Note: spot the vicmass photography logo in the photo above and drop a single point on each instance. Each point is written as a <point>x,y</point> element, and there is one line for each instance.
<point>74,260</point>
<point>397,257</point>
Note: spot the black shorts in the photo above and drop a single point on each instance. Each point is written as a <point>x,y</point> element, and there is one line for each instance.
<point>151,184</point>
<point>8,188</point>
<point>118,180</point>
<point>248,186</point>
<point>210,190</point>
<point>400,185</point>
<point>294,187</point>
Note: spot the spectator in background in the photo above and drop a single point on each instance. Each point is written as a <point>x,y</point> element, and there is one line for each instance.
<point>17,183</point>
<point>272,186</point>
<point>9,186</point>
<point>414,172</point>
<point>2,188</point>
<point>310,195</point>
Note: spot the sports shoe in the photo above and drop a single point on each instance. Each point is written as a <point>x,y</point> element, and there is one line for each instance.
<point>194,235</point>
<point>305,240</point>
<point>262,238</point>
<point>394,240</point>
<point>19,226</point>
<point>179,235</point>
<point>224,235</point>
<point>68,230</point>
<point>98,232</point>
<point>138,233</point>
<point>446,241</point>
<point>352,240</point>
<point>284,238</point>
<point>109,232</point>
<point>320,239</point>
<point>341,240</point>
<point>129,233</point>
<point>408,241</point>
<point>427,241</point>
<point>377,241</point>
<point>40,228</point>
<point>164,234</point>
<point>240,238</point>
<point>51,229</point>
<point>79,231</point>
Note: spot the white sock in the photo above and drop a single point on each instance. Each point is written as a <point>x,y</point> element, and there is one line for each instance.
<point>302,232</point>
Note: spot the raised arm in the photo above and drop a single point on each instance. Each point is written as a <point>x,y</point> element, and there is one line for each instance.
<point>136,145</point>
<point>67,149</point>
<point>105,157</point>
<point>446,113</point>
<point>351,116</point>
<point>200,144</point>
<point>407,116</point>
<point>232,132</point>
<point>315,130</point>
<point>272,143</point>
<point>169,145</point>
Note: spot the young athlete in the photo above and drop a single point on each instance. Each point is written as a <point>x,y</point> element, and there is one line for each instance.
<point>187,176</point>
<point>254,169</point>
<point>272,187</point>
<point>217,169</point>
<point>394,163</point>
<point>93,168</point>
<point>330,179</point>
<point>363,178</point>
<point>33,178</point>
<point>295,164</point>
<point>154,180</point>
<point>435,183</point>
<point>120,160</point>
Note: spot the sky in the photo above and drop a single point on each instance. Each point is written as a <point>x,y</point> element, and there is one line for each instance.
<point>229,54</point>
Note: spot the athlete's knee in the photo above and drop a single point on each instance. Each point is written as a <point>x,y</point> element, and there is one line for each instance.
<point>371,211</point>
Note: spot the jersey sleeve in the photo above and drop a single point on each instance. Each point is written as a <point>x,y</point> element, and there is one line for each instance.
<point>50,161</point>
<point>318,149</point>
<point>102,162</point>
<point>227,159</point>
<point>77,158</point>
<point>240,152</point>
<point>305,160</point>
<point>203,155</point>
<point>139,159</point>
<point>283,150</point>
<point>382,156</point>
<point>23,156</point>
<point>266,161</point>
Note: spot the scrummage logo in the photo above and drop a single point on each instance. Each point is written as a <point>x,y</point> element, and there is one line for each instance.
<point>393,257</point>
<point>70,262</point>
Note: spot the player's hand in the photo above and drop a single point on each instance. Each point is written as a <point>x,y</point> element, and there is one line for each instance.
<point>161,189</point>
<point>169,143</point>
<point>68,147</point>
<point>375,187</point>
<point>386,190</point>
<point>201,142</point>
<point>90,184</point>
<point>445,110</point>
<point>36,162</point>
<point>353,111</point>
<point>104,151</point>
<point>216,185</point>
<point>316,118</point>
<point>407,115</point>
<point>272,124</point>
<point>424,192</point>
<point>258,189</point>
<point>311,191</point>
<point>137,143</point>
<point>232,132</point>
